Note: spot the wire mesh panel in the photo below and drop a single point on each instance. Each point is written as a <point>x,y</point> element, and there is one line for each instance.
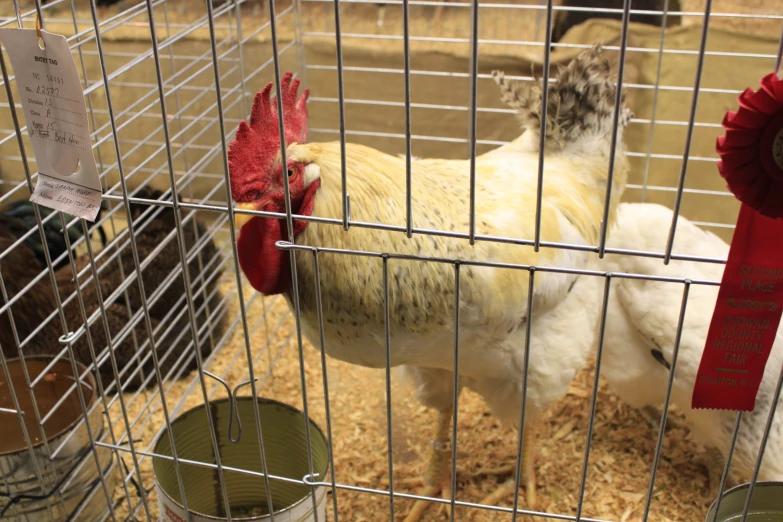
<point>461,312</point>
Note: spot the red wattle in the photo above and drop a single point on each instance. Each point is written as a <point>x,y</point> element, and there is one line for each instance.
<point>266,267</point>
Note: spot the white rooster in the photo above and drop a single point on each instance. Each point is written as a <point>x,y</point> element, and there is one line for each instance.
<point>493,307</point>
<point>641,328</point>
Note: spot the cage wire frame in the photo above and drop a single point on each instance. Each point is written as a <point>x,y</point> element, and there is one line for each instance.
<point>218,52</point>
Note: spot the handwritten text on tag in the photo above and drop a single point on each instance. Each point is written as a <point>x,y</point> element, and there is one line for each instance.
<point>746,316</point>
<point>56,115</point>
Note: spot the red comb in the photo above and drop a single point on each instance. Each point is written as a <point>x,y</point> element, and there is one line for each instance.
<point>257,143</point>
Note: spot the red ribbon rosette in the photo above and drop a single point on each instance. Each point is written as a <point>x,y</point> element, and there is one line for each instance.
<point>750,300</point>
<point>751,151</point>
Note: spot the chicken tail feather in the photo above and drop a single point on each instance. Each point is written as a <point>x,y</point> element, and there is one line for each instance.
<point>580,103</point>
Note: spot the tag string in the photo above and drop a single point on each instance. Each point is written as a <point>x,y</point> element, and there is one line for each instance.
<point>38,24</point>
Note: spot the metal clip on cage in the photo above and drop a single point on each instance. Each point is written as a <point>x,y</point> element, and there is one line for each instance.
<point>232,404</point>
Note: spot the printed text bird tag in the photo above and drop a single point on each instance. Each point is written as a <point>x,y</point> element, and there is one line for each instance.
<point>750,300</point>
<point>53,106</point>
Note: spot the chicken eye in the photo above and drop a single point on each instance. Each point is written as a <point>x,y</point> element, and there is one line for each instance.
<point>290,172</point>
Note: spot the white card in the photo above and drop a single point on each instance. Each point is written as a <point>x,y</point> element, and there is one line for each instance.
<point>53,107</point>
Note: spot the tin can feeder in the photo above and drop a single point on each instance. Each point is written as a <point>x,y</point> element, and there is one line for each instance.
<point>70,477</point>
<point>285,448</point>
<point>765,506</point>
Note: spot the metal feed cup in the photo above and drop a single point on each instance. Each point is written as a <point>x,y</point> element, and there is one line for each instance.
<point>70,477</point>
<point>93,506</point>
<point>285,447</point>
<point>765,506</point>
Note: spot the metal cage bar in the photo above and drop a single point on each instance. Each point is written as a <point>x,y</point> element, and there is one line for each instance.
<point>186,156</point>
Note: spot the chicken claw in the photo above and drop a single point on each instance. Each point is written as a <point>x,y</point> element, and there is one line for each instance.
<point>527,478</point>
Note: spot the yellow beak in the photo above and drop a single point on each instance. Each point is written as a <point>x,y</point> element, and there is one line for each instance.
<point>241,219</point>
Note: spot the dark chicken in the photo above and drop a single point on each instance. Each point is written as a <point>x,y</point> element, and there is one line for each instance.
<point>19,217</point>
<point>167,311</point>
<point>566,19</point>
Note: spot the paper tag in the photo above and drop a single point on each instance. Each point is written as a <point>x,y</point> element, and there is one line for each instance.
<point>56,115</point>
<point>746,316</point>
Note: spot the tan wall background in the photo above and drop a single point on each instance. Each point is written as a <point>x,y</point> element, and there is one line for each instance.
<point>199,163</point>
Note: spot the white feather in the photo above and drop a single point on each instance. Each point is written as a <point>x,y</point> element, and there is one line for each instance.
<point>561,340</point>
<point>643,315</point>
<point>311,173</point>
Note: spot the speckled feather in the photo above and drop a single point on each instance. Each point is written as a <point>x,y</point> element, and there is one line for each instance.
<point>582,101</point>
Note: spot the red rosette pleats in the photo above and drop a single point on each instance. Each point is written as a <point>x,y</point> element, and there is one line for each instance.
<point>751,150</point>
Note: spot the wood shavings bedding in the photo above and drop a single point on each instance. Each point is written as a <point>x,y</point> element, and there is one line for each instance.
<point>622,448</point>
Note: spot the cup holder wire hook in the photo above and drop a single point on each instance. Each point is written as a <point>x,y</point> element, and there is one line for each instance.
<point>233,410</point>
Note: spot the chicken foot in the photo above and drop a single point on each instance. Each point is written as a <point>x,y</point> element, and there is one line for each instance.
<point>436,478</point>
<point>527,478</point>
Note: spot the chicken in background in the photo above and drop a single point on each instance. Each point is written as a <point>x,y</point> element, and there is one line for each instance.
<point>101,6</point>
<point>256,6</point>
<point>37,303</point>
<point>437,13</point>
<point>493,301</point>
<point>640,331</point>
<point>118,6</point>
<point>18,218</point>
<point>564,19</point>
<point>161,224</point>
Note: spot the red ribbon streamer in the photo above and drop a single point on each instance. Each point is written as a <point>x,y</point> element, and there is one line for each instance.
<point>750,299</point>
<point>746,317</point>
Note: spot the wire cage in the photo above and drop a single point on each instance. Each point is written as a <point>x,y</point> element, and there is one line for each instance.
<point>113,333</point>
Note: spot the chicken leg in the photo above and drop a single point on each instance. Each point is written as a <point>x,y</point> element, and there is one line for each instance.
<point>436,478</point>
<point>528,476</point>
